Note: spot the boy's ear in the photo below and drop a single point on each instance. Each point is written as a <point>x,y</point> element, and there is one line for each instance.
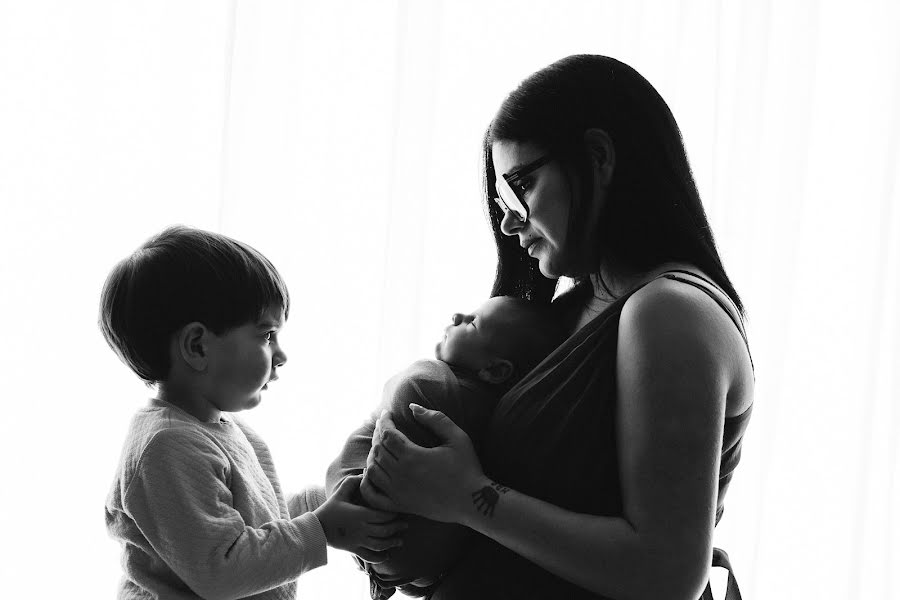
<point>603,153</point>
<point>497,371</point>
<point>191,345</point>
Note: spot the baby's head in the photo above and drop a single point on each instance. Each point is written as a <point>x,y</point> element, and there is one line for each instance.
<point>500,341</point>
<point>197,301</point>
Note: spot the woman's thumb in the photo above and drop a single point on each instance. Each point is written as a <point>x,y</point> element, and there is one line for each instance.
<point>439,423</point>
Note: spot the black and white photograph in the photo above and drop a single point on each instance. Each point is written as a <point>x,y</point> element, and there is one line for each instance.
<point>450,299</point>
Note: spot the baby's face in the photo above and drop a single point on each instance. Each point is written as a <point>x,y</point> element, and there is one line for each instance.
<point>469,340</point>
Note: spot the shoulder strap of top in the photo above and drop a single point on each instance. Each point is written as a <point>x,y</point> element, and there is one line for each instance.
<point>732,592</point>
<point>729,307</point>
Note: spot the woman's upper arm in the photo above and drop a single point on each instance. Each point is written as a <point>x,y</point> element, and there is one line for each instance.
<point>672,383</point>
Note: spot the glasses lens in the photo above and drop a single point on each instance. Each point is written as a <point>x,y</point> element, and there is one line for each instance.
<point>509,198</point>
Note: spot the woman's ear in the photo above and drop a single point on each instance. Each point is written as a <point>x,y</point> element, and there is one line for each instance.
<point>191,345</point>
<point>497,371</point>
<point>603,153</point>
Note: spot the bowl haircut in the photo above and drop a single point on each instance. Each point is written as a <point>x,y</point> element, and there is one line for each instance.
<point>179,276</point>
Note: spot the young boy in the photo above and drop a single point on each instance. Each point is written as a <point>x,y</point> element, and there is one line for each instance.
<point>196,501</point>
<point>481,356</point>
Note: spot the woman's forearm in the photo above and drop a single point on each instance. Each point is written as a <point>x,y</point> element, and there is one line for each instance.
<point>603,554</point>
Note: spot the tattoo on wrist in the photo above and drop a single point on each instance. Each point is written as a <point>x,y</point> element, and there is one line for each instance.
<point>485,499</point>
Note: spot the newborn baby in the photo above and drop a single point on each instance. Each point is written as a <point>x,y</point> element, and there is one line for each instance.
<point>481,356</point>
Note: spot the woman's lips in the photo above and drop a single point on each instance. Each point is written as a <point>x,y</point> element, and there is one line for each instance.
<point>532,247</point>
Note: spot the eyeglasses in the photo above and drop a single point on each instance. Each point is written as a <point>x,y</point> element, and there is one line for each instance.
<point>510,198</point>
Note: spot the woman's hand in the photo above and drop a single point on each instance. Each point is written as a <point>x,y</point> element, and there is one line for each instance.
<point>436,483</point>
<point>366,532</point>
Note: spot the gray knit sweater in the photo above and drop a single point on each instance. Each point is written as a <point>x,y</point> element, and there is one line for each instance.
<point>200,512</point>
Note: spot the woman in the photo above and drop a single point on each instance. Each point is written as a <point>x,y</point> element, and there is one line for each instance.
<point>606,467</point>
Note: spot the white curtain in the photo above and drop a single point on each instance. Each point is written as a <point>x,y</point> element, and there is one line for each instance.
<point>342,139</point>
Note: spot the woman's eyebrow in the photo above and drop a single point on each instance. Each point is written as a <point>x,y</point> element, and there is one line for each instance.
<point>513,173</point>
<point>515,170</point>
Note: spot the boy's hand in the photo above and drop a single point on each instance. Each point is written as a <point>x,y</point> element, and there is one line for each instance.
<point>366,532</point>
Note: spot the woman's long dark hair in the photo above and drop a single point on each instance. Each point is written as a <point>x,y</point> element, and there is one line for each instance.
<point>653,212</point>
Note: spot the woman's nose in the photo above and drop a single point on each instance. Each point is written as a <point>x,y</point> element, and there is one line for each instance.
<point>510,223</point>
<point>457,318</point>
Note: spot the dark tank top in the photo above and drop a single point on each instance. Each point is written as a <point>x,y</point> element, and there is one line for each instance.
<point>553,436</point>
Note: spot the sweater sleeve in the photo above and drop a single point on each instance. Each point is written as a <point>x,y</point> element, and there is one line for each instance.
<point>306,501</point>
<point>180,500</point>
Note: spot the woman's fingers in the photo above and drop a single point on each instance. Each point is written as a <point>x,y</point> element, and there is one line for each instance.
<point>375,497</point>
<point>387,421</point>
<point>377,477</point>
<point>376,433</point>
<point>395,443</point>
<point>384,421</point>
<point>383,450</point>
<point>439,423</point>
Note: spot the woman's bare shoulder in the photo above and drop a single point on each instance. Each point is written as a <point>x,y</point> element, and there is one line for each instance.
<point>678,322</point>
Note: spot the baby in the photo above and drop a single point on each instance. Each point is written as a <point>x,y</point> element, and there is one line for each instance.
<point>481,356</point>
<point>196,502</point>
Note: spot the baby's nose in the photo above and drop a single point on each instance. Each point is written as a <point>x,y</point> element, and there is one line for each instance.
<point>457,318</point>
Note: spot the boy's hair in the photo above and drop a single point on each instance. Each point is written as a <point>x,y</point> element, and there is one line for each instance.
<point>531,332</point>
<point>179,276</point>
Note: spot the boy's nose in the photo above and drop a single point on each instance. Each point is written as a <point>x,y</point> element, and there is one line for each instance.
<point>279,358</point>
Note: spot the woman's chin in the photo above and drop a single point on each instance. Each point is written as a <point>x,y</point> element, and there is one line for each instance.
<point>548,268</point>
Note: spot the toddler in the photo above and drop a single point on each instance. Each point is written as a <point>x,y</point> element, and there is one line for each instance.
<point>196,501</point>
<point>481,356</point>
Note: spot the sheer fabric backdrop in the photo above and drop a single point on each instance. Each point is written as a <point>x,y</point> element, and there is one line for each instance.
<point>342,139</point>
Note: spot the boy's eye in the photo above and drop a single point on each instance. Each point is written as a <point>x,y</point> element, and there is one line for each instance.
<point>269,335</point>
